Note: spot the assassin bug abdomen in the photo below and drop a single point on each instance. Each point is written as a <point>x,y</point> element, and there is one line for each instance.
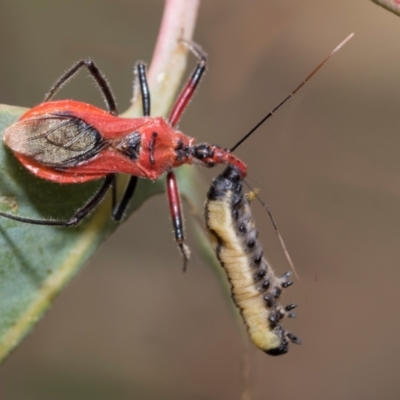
<point>73,142</point>
<point>255,287</point>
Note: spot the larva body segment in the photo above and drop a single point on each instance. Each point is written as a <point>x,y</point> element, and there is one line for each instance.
<point>255,287</point>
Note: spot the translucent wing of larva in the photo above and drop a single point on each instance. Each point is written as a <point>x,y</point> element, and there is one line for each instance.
<point>56,140</point>
<point>391,5</point>
<point>255,287</point>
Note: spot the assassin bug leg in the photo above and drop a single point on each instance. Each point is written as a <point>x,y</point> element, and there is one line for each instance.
<point>176,214</point>
<point>78,216</point>
<point>192,84</point>
<point>96,75</point>
<point>118,211</point>
<point>175,115</point>
<point>144,88</point>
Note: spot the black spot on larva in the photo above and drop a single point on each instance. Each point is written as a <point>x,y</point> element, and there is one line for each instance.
<point>290,307</point>
<point>251,243</point>
<point>266,284</point>
<point>276,292</point>
<point>273,319</point>
<point>242,229</point>
<point>281,314</point>
<point>287,284</point>
<point>235,214</point>
<point>260,274</point>
<point>293,338</point>
<point>269,300</point>
<point>258,258</point>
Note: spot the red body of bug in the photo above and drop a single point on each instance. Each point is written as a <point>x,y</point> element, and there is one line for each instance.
<point>153,156</point>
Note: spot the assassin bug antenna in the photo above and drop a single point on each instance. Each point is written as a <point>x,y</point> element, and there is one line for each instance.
<point>277,107</point>
<point>96,75</point>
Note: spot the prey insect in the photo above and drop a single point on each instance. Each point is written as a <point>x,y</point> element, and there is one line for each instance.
<point>255,287</point>
<point>72,142</point>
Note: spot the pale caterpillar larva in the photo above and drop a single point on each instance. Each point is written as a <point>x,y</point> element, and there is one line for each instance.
<point>255,287</point>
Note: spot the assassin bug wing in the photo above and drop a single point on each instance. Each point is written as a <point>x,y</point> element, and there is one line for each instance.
<point>71,142</point>
<point>58,140</point>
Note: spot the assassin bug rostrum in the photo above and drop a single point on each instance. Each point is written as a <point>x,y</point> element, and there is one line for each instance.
<point>72,142</point>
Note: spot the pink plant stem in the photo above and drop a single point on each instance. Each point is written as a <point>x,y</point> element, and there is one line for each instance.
<point>169,57</point>
<point>391,5</point>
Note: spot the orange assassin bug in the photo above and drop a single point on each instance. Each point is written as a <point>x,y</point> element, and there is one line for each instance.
<point>72,142</point>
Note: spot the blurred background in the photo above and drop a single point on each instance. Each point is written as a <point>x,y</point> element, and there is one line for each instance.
<point>131,324</point>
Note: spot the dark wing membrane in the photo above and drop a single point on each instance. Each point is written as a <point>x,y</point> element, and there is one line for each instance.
<point>57,140</point>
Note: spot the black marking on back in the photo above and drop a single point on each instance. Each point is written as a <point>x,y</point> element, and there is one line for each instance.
<point>130,145</point>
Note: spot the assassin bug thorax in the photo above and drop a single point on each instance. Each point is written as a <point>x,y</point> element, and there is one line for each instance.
<point>72,142</point>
